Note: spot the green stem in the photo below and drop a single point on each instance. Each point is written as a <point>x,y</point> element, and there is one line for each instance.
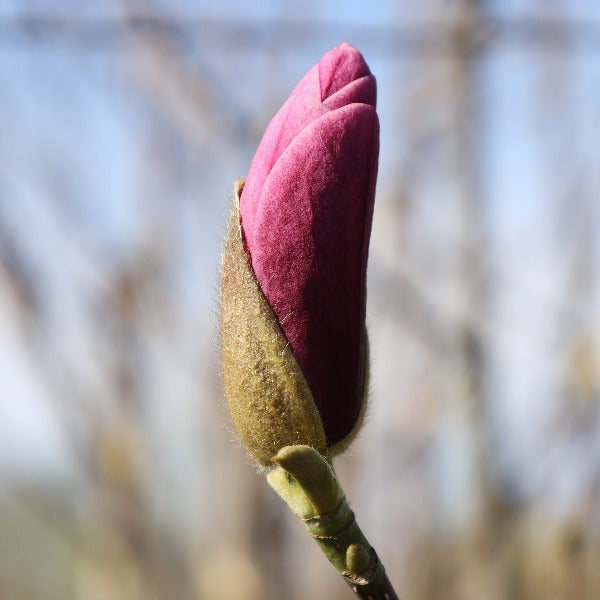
<point>307,483</point>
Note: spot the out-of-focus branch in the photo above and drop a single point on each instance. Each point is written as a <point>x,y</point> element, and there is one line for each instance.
<point>544,32</point>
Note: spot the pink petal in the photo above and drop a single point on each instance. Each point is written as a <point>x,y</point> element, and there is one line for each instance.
<point>328,79</point>
<point>361,90</point>
<point>302,107</point>
<point>308,245</point>
<point>339,67</point>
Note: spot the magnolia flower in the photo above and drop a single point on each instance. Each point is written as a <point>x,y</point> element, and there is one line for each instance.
<point>293,295</point>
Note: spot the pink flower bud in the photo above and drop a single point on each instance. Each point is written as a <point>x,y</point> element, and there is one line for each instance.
<point>306,212</point>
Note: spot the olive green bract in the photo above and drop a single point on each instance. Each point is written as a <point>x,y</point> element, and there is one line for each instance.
<point>269,400</point>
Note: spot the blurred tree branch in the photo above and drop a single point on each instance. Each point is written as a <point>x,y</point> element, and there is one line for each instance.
<point>529,31</point>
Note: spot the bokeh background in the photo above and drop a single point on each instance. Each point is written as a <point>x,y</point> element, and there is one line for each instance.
<point>122,127</point>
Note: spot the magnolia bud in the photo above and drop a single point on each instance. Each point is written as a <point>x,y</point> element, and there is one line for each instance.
<point>294,271</point>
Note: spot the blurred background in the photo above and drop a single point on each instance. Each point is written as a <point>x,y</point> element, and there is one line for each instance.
<point>122,127</point>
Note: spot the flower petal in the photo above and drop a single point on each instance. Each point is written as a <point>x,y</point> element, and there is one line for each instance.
<point>303,106</point>
<point>339,67</point>
<point>363,90</point>
<point>308,246</point>
<point>327,80</point>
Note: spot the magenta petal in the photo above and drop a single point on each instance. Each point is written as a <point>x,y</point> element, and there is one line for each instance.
<point>339,67</point>
<point>303,106</point>
<point>308,245</point>
<point>306,212</point>
<point>361,90</point>
<point>340,77</point>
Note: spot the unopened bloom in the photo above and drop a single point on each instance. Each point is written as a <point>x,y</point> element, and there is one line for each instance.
<point>293,296</point>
